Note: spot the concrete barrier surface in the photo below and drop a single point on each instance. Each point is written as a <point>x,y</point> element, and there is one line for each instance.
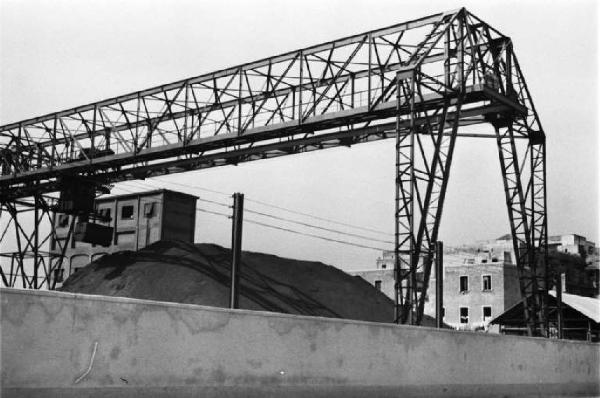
<point>70,345</point>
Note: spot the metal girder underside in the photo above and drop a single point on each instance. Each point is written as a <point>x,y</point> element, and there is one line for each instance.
<point>417,81</point>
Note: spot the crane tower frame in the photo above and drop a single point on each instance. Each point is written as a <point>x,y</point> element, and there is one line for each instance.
<point>417,82</point>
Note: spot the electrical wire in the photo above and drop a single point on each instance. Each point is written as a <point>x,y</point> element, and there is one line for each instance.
<point>295,232</point>
<point>300,222</point>
<point>284,209</point>
<point>193,186</point>
<point>213,212</point>
<point>214,202</point>
<point>318,217</point>
<point>316,236</point>
<point>317,227</point>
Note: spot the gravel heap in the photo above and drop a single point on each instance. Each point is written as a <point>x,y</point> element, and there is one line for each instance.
<point>199,274</point>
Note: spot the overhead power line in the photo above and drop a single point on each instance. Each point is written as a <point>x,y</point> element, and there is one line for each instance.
<point>282,208</point>
<point>317,227</point>
<point>193,186</point>
<point>297,232</point>
<point>318,217</point>
<point>316,236</point>
<point>214,202</point>
<point>214,212</point>
<point>299,222</point>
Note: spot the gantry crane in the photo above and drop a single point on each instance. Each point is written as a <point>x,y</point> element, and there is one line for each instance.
<point>417,82</point>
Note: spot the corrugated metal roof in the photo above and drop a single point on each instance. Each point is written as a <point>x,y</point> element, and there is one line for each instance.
<point>588,306</point>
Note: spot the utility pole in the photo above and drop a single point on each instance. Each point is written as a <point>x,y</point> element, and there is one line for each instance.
<point>439,284</point>
<point>236,248</point>
<point>559,306</point>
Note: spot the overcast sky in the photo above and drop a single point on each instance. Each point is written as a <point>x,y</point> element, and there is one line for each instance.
<point>59,54</point>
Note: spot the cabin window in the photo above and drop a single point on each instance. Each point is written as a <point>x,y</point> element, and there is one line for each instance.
<point>127,212</point>
<point>148,209</point>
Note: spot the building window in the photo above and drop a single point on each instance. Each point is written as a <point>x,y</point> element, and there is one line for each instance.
<point>63,220</point>
<point>378,285</point>
<point>59,275</point>
<point>487,282</point>
<point>127,212</point>
<point>464,315</point>
<point>104,214</point>
<point>464,284</point>
<point>487,313</point>
<point>383,265</point>
<point>443,312</point>
<point>148,209</point>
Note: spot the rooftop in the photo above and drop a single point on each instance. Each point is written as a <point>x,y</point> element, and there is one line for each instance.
<point>143,193</point>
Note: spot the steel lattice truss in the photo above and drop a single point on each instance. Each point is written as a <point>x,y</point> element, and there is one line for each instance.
<point>417,82</point>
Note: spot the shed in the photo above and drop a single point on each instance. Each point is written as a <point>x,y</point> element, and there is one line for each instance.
<point>581,317</point>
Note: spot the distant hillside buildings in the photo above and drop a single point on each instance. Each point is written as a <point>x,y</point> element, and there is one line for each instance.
<point>481,280</point>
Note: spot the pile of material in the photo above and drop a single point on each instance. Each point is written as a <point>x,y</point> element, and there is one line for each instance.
<point>200,274</point>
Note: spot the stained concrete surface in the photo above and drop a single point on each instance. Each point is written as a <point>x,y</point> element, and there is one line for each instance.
<point>70,345</point>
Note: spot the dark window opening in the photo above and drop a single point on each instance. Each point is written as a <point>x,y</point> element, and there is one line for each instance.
<point>464,284</point>
<point>104,214</point>
<point>464,315</point>
<point>148,209</point>
<point>59,275</point>
<point>378,285</point>
<point>443,312</point>
<point>487,313</point>
<point>63,220</point>
<point>487,282</point>
<point>383,265</point>
<point>127,212</point>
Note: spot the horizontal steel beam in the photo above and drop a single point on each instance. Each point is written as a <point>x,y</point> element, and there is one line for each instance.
<point>243,67</point>
<point>229,152</point>
<point>475,94</point>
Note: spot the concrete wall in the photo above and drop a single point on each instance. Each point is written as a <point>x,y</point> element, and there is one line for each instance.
<point>67,345</point>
